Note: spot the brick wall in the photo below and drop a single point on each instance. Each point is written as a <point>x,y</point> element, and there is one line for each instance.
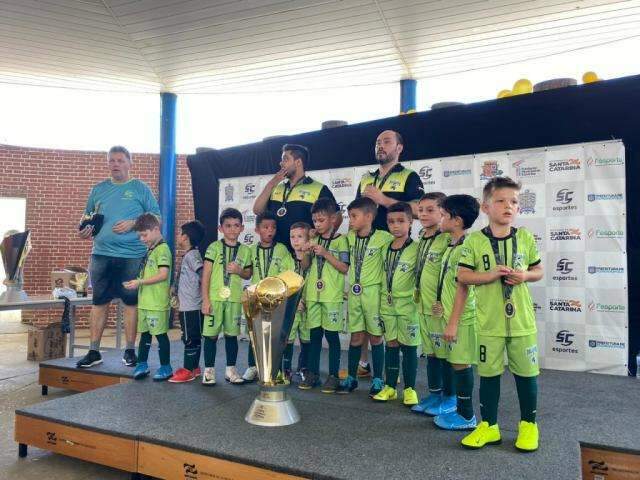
<point>56,184</point>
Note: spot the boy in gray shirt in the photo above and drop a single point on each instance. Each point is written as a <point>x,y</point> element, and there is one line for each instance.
<point>189,301</point>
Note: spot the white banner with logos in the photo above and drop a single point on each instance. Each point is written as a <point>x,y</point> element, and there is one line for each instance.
<point>573,199</point>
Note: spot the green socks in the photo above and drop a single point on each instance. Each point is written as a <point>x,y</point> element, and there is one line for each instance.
<point>409,365</point>
<point>164,347</point>
<point>315,349</point>
<point>144,346</point>
<point>353,359</point>
<point>448,379</point>
<point>231,349</point>
<point>333,340</point>
<point>287,356</point>
<point>392,365</point>
<point>434,374</point>
<point>303,357</point>
<point>377,360</point>
<point>528,397</point>
<point>210,351</point>
<point>464,389</point>
<point>489,398</point>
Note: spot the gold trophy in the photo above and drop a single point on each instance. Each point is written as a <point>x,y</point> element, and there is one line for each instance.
<point>79,280</point>
<point>270,307</point>
<point>14,250</point>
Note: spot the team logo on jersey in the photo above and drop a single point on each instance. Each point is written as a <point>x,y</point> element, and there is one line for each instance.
<point>128,195</point>
<point>433,257</point>
<point>394,185</point>
<point>489,170</point>
<point>527,202</point>
<point>333,316</point>
<point>303,194</point>
<point>412,331</point>
<point>228,193</point>
<point>404,267</point>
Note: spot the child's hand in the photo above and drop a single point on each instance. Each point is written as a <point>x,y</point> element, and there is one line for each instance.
<point>307,247</point>
<point>499,272</point>
<point>450,333</point>
<point>206,307</point>
<point>516,277</point>
<point>233,267</point>
<point>131,284</point>
<point>319,250</point>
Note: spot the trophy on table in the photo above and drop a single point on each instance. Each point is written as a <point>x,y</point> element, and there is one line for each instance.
<point>270,307</point>
<point>14,249</point>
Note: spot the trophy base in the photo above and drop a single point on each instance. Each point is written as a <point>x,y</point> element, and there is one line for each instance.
<point>14,293</point>
<point>272,408</point>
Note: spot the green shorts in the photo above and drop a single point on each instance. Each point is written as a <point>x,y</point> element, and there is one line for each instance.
<point>364,311</point>
<point>431,330</point>
<point>156,322</point>
<point>328,315</point>
<point>300,328</point>
<point>225,319</point>
<point>403,328</point>
<point>522,354</point>
<point>464,351</point>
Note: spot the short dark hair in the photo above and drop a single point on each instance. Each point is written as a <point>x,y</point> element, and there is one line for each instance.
<point>365,204</point>
<point>437,196</point>
<point>399,139</point>
<point>195,231</point>
<point>464,206</point>
<point>324,205</point>
<point>297,151</point>
<point>266,215</point>
<point>146,221</point>
<point>120,149</point>
<point>496,183</point>
<point>304,225</point>
<point>230,213</point>
<point>401,207</point>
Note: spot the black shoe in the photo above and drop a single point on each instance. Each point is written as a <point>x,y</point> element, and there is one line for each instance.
<point>129,358</point>
<point>310,381</point>
<point>330,385</point>
<point>92,358</point>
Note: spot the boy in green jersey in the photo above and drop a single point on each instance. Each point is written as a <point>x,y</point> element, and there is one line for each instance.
<point>455,307</point>
<point>366,246</point>
<point>269,258</point>
<point>441,398</point>
<point>324,294</point>
<point>299,237</point>
<point>153,297</point>
<point>499,260</point>
<point>226,264</point>
<point>397,309</point>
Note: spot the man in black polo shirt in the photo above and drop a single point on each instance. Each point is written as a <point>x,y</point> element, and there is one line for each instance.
<point>391,182</point>
<point>291,200</point>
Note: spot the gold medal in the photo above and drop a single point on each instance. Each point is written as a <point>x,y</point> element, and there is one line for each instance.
<point>320,285</point>
<point>282,211</point>
<point>509,309</point>
<point>389,299</point>
<point>416,296</point>
<point>225,292</point>
<point>437,310</point>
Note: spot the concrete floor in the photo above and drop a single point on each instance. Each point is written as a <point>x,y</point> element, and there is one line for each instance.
<point>19,387</point>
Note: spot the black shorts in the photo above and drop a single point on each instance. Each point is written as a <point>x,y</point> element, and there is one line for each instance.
<point>107,276</point>
<point>191,326</point>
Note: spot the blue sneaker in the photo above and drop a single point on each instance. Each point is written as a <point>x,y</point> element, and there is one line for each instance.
<point>447,405</point>
<point>431,401</point>
<point>141,371</point>
<point>347,385</point>
<point>455,421</point>
<point>163,373</point>
<point>377,384</point>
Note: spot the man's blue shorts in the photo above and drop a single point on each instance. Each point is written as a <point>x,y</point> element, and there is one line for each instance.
<point>107,275</point>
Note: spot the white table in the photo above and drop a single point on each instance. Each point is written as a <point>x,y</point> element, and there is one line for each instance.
<point>40,302</point>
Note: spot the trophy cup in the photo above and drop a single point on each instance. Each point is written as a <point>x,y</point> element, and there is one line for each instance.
<point>14,250</point>
<point>270,307</point>
<point>79,280</point>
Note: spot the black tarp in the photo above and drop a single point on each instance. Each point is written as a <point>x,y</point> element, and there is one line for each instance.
<point>599,111</point>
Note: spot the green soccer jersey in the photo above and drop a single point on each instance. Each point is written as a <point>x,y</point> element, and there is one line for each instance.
<point>371,249</point>
<point>220,254</point>
<point>449,280</point>
<point>269,261</point>
<point>478,255</point>
<point>156,296</point>
<point>400,271</point>
<point>430,250</point>
<point>332,279</point>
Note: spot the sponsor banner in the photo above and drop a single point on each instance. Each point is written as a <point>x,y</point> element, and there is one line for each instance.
<point>565,199</point>
<point>605,270</point>
<point>565,269</point>
<point>489,165</point>
<point>538,227</point>
<point>457,173</point>
<point>533,201</point>
<point>604,160</point>
<point>565,346</point>
<point>605,197</point>
<point>343,202</point>
<point>229,192</point>
<point>528,166</point>
<point>565,234</point>
<point>607,307</point>
<point>538,296</point>
<point>565,305</point>
<point>564,164</point>
<point>606,233</point>
<point>430,172</point>
<point>607,348</point>
<point>342,183</point>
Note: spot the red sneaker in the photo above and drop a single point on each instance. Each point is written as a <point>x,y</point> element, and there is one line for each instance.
<point>197,372</point>
<point>182,375</point>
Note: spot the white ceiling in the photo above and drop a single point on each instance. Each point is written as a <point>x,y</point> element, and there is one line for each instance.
<point>222,46</point>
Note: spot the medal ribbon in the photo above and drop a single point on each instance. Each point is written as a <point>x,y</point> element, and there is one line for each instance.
<point>267,254</point>
<point>321,260</point>
<point>423,249</point>
<point>288,190</point>
<point>227,259</point>
<point>507,290</point>
<point>391,263</point>
<point>384,179</point>
<point>359,250</point>
<point>443,272</point>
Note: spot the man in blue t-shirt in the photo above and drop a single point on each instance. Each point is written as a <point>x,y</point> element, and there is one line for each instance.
<point>117,255</point>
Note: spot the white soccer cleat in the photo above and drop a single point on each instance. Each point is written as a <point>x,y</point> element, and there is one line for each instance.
<point>231,375</point>
<point>250,374</point>
<point>209,377</point>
